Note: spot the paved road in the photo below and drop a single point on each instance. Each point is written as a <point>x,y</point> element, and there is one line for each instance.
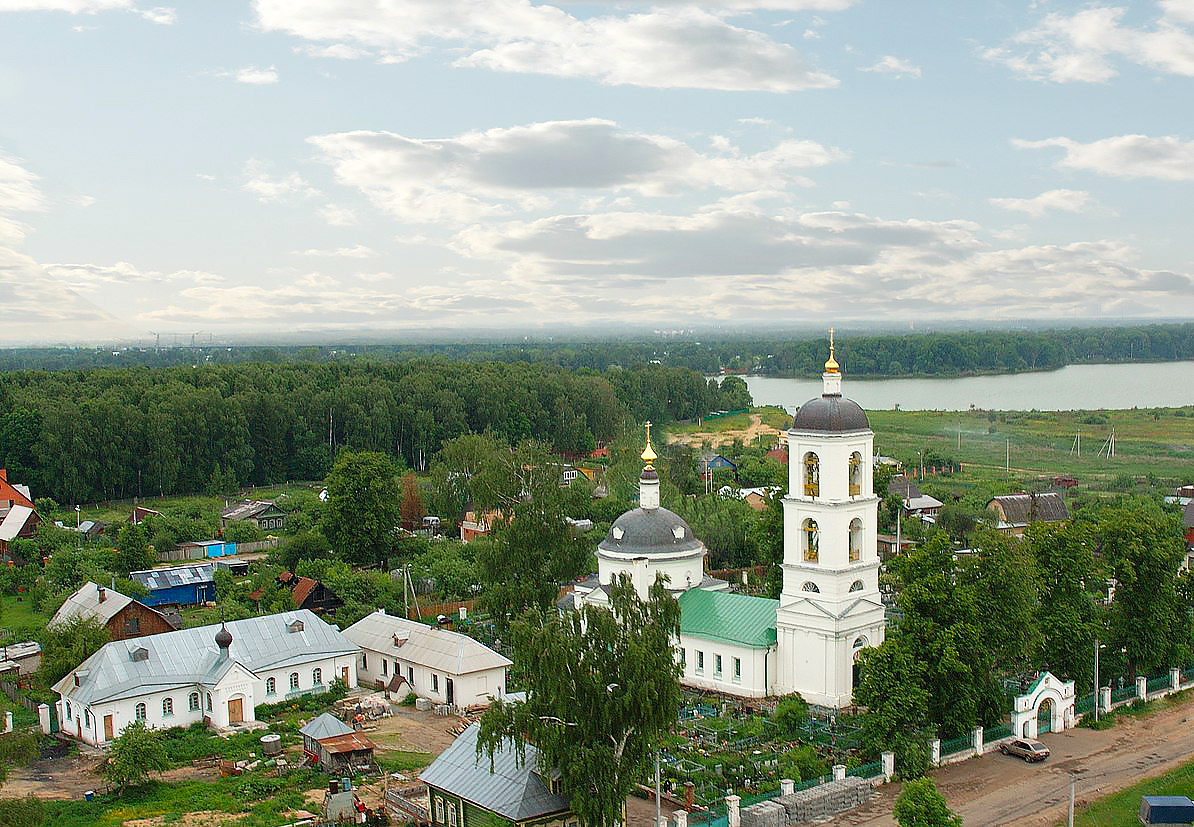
<point>997,789</point>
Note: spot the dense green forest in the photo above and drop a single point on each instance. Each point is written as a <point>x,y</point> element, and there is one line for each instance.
<point>81,436</point>
<point>778,354</point>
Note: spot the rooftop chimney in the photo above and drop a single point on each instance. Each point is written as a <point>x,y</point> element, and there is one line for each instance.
<point>103,594</point>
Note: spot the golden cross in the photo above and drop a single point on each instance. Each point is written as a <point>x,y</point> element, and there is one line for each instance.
<point>648,432</point>
<point>831,342</point>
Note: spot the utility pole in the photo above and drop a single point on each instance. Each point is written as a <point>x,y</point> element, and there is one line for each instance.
<point>1070,821</point>
<point>657,803</point>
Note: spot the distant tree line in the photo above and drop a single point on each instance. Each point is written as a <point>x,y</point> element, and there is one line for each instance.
<point>775,354</point>
<point>105,434</point>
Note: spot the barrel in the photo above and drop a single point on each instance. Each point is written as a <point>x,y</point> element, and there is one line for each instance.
<point>346,784</point>
<point>89,795</point>
<point>333,786</point>
<point>271,744</point>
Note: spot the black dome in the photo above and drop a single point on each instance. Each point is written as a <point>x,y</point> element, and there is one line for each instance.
<point>832,413</point>
<point>223,637</point>
<point>648,531</point>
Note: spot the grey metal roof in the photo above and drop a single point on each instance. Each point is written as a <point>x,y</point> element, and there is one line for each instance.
<point>326,725</point>
<point>189,656</point>
<point>831,412</point>
<point>1048,507</point>
<point>14,521</point>
<point>1188,516</point>
<point>649,531</point>
<point>86,603</point>
<point>157,579</point>
<point>246,510</point>
<point>438,649</point>
<point>512,791</point>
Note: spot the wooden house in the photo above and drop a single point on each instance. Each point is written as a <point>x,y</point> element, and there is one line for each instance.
<point>123,617</point>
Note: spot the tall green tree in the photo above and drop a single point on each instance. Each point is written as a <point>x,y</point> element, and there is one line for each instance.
<point>132,550</point>
<point>1003,579</point>
<point>892,689</point>
<point>1069,618</point>
<point>603,688</point>
<point>66,645</point>
<point>363,507</point>
<point>1144,547</point>
<point>135,753</point>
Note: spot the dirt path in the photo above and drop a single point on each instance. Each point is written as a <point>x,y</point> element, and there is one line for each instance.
<point>716,439</point>
<point>64,779</point>
<point>996,789</point>
<point>413,731</point>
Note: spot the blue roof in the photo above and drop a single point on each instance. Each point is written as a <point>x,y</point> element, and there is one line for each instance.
<point>168,578</point>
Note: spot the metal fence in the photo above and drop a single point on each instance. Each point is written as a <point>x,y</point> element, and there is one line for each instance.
<point>871,770</point>
<point>996,733</point>
<point>1084,705</point>
<point>812,782</point>
<point>1187,675</point>
<point>1124,693</point>
<point>955,745</point>
<point>1158,683</point>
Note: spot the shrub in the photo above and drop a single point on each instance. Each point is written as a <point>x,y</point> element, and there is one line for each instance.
<point>409,700</point>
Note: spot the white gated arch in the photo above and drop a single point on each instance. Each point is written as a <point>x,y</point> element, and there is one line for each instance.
<point>1059,694</point>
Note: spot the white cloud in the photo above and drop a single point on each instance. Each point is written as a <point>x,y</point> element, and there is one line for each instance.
<point>356,251</point>
<point>524,167</point>
<point>160,15</point>
<point>1061,199</point>
<point>72,6</point>
<point>337,215</point>
<point>290,188</point>
<point>891,65</point>
<point>92,277</point>
<point>19,193</point>
<point>673,46</point>
<point>257,76</point>
<point>1126,156</point>
<point>1080,47</point>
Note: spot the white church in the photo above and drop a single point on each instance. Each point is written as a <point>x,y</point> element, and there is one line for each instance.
<point>829,608</point>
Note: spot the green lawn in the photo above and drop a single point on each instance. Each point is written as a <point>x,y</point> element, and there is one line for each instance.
<point>1122,807</point>
<point>118,511</point>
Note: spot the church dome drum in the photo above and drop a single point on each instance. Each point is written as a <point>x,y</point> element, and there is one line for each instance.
<point>646,532</point>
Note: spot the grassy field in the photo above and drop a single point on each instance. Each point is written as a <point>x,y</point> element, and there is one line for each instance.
<point>1121,808</point>
<point>1154,448</point>
<point>120,510</point>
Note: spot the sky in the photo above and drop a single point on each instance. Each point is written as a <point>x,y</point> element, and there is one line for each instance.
<point>272,168</point>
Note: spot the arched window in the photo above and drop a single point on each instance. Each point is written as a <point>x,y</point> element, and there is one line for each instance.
<point>812,475</point>
<point>860,644</point>
<point>167,707</point>
<point>810,586</point>
<point>856,586</point>
<point>294,680</point>
<point>855,474</point>
<point>316,676</point>
<point>811,541</point>
<point>193,702</point>
<point>271,686</point>
<point>68,710</point>
<point>140,712</point>
<point>855,540</point>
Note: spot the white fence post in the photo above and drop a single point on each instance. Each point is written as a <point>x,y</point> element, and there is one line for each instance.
<point>935,751</point>
<point>839,772</point>
<point>43,717</point>
<point>787,786</point>
<point>978,740</point>
<point>733,813</point>
<point>8,721</point>
<point>1105,698</point>
<point>888,759</point>
<point>681,817</point>
<point>1175,679</point>
<point>1141,687</point>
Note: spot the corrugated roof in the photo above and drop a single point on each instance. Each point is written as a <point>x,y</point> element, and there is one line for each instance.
<point>512,791</point>
<point>1188,516</point>
<point>733,618</point>
<point>437,649</point>
<point>14,521</point>
<point>1049,507</point>
<point>245,510</point>
<point>350,742</point>
<point>157,579</point>
<point>326,725</point>
<point>190,656</point>
<point>86,603</point>
<point>302,590</point>
<point>903,488</point>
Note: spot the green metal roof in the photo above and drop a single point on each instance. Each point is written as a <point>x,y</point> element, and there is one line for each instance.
<point>733,618</point>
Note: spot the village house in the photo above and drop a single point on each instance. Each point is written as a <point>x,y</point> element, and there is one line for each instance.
<point>777,455</point>
<point>122,616</point>
<point>18,517</point>
<point>20,659</point>
<point>438,664</point>
<point>756,498</point>
<point>141,513</point>
<point>709,463</point>
<point>305,593</point>
<point>465,791</point>
<point>336,748</point>
<point>214,674</point>
<point>267,516</point>
<point>179,585</point>
<point>1017,511</point>
<point>914,502</point>
<point>197,550</point>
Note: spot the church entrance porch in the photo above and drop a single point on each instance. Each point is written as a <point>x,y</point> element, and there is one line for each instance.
<point>1046,706</point>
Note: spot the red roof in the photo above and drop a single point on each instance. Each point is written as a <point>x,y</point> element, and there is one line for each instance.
<point>302,591</point>
<point>346,743</point>
<point>779,455</point>
<point>9,492</point>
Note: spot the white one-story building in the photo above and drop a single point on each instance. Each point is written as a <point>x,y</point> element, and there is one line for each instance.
<point>214,674</point>
<point>440,665</point>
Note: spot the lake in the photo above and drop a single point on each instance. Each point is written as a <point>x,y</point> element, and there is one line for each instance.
<point>1076,387</point>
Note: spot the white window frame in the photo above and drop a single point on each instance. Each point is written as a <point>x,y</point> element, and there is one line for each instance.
<point>716,666</point>
<point>141,712</point>
<point>167,707</point>
<point>737,670</point>
<point>271,686</point>
<point>700,662</point>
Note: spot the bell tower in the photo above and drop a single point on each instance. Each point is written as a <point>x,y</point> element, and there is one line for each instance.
<point>829,606</point>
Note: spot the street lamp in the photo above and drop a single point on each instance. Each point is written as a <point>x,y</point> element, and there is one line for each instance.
<point>1099,646</point>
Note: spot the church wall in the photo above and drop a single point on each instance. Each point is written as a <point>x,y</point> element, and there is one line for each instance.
<point>681,573</point>
<point>758,667</point>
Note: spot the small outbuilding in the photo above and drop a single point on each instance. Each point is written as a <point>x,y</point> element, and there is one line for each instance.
<point>123,617</point>
<point>1017,511</point>
<point>178,585</point>
<point>335,747</point>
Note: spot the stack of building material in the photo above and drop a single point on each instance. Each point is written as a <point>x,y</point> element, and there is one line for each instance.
<point>812,805</point>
